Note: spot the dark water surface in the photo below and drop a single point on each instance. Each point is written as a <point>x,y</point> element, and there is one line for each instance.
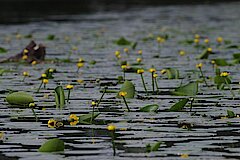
<point>210,138</point>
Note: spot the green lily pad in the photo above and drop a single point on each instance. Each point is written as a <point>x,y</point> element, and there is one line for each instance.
<point>150,108</point>
<point>179,105</point>
<point>190,89</point>
<point>19,98</point>
<point>221,62</point>
<point>128,87</point>
<point>52,145</point>
<point>59,96</point>
<point>153,147</point>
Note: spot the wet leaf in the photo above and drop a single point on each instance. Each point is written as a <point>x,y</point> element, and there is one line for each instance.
<point>52,145</point>
<point>221,62</point>
<point>149,108</point>
<point>19,98</point>
<point>236,56</point>
<point>51,37</point>
<point>153,147</point>
<point>128,87</point>
<point>122,42</point>
<point>3,50</point>
<point>134,45</point>
<point>204,55</point>
<point>230,114</point>
<point>86,118</point>
<point>59,96</point>
<point>190,89</point>
<point>179,105</point>
<point>221,81</point>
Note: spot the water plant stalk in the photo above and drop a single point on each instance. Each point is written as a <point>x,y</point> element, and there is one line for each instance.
<point>124,99</point>
<point>113,142</point>
<point>153,82</point>
<point>229,86</point>
<point>204,78</point>
<point>144,84</point>
<point>40,86</point>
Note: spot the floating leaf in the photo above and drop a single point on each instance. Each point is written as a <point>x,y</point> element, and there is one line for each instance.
<point>232,47</point>
<point>236,55</point>
<point>3,50</point>
<point>59,96</point>
<point>122,42</point>
<point>19,98</point>
<point>51,37</point>
<point>149,108</point>
<point>52,145</point>
<point>86,118</point>
<point>153,147</point>
<point>134,45</point>
<point>179,105</point>
<point>230,114</point>
<point>128,87</point>
<point>172,73</point>
<point>190,89</point>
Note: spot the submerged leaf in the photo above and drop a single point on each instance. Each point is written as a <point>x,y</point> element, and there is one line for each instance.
<point>221,62</point>
<point>230,114</point>
<point>179,105</point>
<point>204,55</point>
<point>86,118</point>
<point>153,147</point>
<point>190,89</point>
<point>122,42</point>
<point>149,108</point>
<point>19,98</point>
<point>52,145</point>
<point>172,73</point>
<point>129,88</point>
<point>3,50</point>
<point>221,81</point>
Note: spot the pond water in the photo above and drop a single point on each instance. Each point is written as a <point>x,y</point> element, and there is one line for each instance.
<point>211,137</point>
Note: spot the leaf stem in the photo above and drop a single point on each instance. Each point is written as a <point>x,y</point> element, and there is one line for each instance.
<point>144,84</point>
<point>124,99</point>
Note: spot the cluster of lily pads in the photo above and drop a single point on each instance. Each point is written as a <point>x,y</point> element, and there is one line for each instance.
<point>204,49</point>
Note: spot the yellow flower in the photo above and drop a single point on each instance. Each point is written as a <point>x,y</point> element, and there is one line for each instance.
<point>50,70</point>
<point>94,103</point>
<point>219,39</point>
<point>197,36</point>
<point>213,62</point>
<point>18,36</point>
<point>45,81</point>
<point>80,64</point>
<point>52,123</point>
<point>122,94</point>
<point>24,57</point>
<point>126,50</point>
<point>25,51</point>
<point>163,71</point>
<point>224,74</point>
<point>155,75</point>
<point>25,74</point>
<point>209,49</point>
<point>185,155</point>
<point>74,48</point>
<point>80,81</point>
<point>139,60</point>
<point>44,75</point>
<point>117,53</point>
<point>140,71</point>
<point>196,41</point>
<point>152,70</point>
<point>1,135</point>
<point>73,118</point>
<point>124,67</point>
<point>81,60</point>
<point>139,51</point>
<point>119,56</point>
<point>34,62</point>
<point>69,86</point>
<point>206,40</point>
<point>160,40</point>
<point>182,53</point>
<point>199,65</point>
<point>31,105</point>
<point>111,127</point>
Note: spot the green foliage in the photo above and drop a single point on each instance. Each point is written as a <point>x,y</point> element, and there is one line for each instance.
<point>204,55</point>
<point>150,108</point>
<point>153,147</point>
<point>179,105</point>
<point>52,145</point>
<point>134,45</point>
<point>172,73</point>
<point>128,87</point>
<point>230,114</point>
<point>59,96</point>
<point>221,62</point>
<point>19,98</point>
<point>3,50</point>
<point>122,42</point>
<point>51,37</point>
<point>86,118</point>
<point>190,89</point>
<point>221,81</point>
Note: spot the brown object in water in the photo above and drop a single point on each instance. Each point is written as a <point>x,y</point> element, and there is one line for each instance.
<point>32,51</point>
